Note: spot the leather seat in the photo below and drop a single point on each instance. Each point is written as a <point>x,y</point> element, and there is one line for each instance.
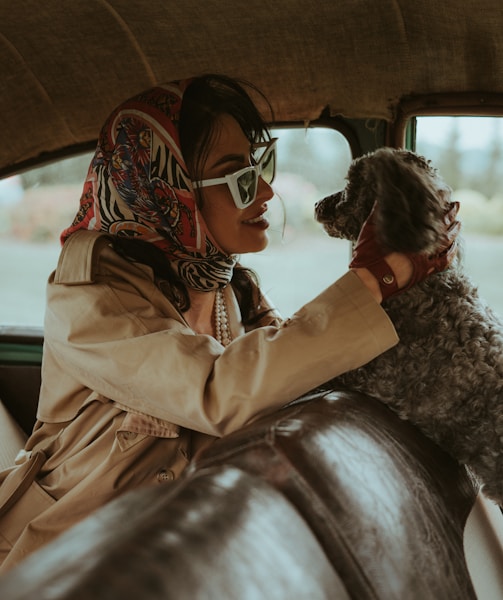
<point>387,505</point>
<point>221,533</point>
<point>332,497</point>
<point>12,438</point>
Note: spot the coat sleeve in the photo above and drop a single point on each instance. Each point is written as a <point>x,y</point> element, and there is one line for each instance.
<point>119,337</point>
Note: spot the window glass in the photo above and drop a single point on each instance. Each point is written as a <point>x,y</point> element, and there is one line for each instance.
<point>300,261</point>
<point>35,207</point>
<point>468,152</point>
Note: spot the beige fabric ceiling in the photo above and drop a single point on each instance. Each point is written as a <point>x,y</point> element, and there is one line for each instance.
<point>65,64</point>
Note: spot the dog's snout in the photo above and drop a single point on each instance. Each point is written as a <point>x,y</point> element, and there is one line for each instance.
<point>324,209</point>
<point>318,209</point>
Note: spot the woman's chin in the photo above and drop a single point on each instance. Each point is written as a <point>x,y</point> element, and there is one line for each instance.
<point>257,245</point>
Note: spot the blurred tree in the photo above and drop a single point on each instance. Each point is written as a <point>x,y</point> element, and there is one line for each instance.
<point>70,170</point>
<point>449,161</point>
<point>319,155</point>
<point>491,184</point>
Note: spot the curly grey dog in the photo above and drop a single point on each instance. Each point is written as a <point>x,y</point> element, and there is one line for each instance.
<point>446,373</point>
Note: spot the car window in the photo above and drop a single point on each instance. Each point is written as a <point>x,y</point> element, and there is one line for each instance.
<point>300,261</point>
<point>34,208</point>
<point>468,152</point>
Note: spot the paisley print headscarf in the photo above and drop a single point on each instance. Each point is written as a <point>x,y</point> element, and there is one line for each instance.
<point>138,186</point>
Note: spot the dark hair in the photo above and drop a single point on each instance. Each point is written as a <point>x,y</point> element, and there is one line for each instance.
<point>205,100</point>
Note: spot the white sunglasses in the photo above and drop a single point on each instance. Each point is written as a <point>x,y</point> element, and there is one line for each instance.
<point>243,184</point>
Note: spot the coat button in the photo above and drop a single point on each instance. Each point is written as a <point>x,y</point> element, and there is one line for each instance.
<point>165,475</point>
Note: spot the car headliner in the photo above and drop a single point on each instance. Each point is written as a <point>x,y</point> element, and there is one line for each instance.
<point>65,65</point>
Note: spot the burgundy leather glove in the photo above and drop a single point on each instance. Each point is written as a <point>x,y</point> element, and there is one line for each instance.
<point>369,254</point>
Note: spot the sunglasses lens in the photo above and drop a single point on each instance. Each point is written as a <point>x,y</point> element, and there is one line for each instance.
<point>268,165</point>
<point>247,186</point>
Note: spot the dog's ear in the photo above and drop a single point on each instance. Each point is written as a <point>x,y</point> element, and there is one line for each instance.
<point>410,203</point>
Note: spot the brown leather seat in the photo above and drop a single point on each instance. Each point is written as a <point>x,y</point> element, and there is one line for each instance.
<point>331,497</point>
<point>387,505</point>
<point>222,534</point>
<point>20,358</point>
<point>12,438</point>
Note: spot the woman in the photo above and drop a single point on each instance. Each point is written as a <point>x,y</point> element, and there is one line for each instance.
<point>156,340</point>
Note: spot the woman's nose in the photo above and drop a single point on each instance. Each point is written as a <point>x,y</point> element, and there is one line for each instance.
<point>264,190</point>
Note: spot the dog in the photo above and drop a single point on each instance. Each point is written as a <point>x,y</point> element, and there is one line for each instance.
<point>446,373</point>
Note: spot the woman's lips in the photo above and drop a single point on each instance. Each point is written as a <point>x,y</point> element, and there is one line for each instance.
<point>258,221</point>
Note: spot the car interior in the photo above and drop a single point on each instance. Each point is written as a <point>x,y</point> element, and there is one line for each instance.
<point>333,496</point>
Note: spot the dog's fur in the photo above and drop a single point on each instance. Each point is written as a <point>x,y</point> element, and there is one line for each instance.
<point>446,373</point>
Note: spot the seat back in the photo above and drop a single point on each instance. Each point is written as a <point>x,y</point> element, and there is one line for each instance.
<point>20,373</point>
<point>221,533</point>
<point>386,504</point>
<point>12,438</point>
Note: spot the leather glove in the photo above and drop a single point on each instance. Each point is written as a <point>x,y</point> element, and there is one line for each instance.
<point>369,254</point>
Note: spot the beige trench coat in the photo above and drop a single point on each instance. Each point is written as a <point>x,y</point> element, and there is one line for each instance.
<point>130,392</point>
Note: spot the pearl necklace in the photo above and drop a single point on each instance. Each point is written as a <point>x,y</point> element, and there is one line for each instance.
<point>222,327</point>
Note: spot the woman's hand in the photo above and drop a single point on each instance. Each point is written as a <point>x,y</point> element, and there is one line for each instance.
<point>388,273</point>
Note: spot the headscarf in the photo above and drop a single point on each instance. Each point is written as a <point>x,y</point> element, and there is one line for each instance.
<point>138,187</point>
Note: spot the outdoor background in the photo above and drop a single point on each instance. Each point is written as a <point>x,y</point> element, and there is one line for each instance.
<point>301,259</point>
